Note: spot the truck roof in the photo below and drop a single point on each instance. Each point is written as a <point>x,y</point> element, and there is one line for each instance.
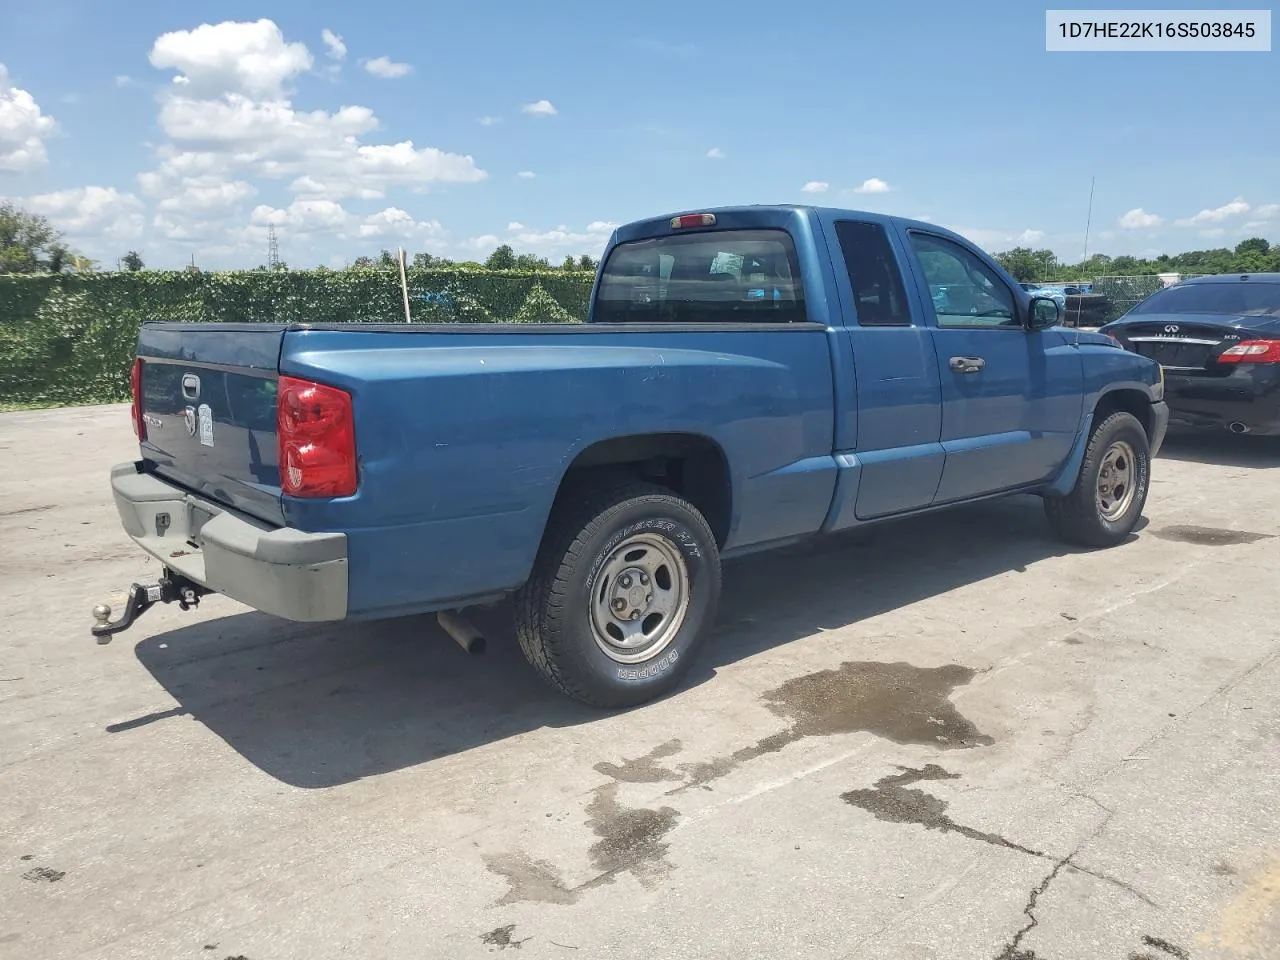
<point>662,223</point>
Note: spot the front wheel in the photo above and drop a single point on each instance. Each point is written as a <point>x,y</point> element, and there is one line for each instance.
<point>622,595</point>
<point>1111,490</point>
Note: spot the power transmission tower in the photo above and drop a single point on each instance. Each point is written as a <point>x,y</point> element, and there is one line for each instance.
<point>273,249</point>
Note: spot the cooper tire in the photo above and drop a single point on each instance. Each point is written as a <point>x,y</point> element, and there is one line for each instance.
<point>590,637</point>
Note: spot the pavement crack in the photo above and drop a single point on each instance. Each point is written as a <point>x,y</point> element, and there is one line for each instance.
<point>1013,949</point>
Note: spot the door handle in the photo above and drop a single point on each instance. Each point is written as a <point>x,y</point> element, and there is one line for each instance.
<point>967,364</point>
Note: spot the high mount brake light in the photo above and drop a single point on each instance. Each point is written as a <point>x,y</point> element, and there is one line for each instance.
<point>1252,351</point>
<point>693,220</point>
<point>316,438</point>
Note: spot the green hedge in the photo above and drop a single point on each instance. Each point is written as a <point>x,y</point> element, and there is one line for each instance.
<point>69,338</point>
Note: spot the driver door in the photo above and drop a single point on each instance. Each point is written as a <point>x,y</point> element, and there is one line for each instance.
<point>1010,396</point>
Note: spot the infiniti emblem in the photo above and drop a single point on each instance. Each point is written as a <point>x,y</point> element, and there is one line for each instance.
<point>1171,328</point>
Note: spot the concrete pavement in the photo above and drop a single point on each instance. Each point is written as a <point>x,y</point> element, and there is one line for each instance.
<point>946,738</point>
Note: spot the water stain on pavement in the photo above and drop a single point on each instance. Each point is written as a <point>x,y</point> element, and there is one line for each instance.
<point>630,837</point>
<point>1209,536</point>
<point>44,875</point>
<point>630,841</point>
<point>529,880</point>
<point>891,801</point>
<point>896,701</point>
<point>1164,946</point>
<point>501,938</point>
<point>643,769</point>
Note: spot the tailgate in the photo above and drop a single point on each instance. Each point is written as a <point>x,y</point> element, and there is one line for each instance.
<point>209,409</point>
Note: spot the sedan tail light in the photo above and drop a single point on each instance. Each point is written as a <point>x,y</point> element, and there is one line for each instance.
<point>317,440</point>
<point>1252,351</point>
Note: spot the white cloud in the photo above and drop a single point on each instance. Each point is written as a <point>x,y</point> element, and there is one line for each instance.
<point>302,215</point>
<point>124,80</point>
<point>1139,219</point>
<point>488,121</point>
<point>206,194</point>
<point>996,240</point>
<point>550,243</point>
<point>1268,211</point>
<point>231,57</point>
<point>334,46</point>
<point>387,68</point>
<point>815,186</point>
<point>23,128</point>
<point>271,139</point>
<point>87,213</point>
<point>1217,214</point>
<point>394,222</point>
<point>715,153</point>
<point>526,174</point>
<point>873,185</point>
<point>539,108</point>
<point>1213,233</point>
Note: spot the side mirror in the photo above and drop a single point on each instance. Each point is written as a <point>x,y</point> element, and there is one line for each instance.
<point>1045,312</point>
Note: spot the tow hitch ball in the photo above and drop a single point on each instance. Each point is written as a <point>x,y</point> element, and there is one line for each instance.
<point>170,588</point>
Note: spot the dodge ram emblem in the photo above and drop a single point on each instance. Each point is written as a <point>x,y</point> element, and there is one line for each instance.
<point>189,419</point>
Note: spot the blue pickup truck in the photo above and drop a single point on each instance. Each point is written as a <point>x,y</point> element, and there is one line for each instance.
<point>748,377</point>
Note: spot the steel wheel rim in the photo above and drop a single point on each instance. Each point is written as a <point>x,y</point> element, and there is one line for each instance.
<point>639,598</point>
<point>1117,481</point>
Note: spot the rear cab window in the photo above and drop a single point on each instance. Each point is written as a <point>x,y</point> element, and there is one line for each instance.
<point>1231,298</point>
<point>718,276</point>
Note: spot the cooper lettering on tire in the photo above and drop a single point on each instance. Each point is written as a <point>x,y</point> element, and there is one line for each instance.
<point>624,590</point>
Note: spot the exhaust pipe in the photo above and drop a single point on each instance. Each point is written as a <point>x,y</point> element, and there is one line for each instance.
<point>1238,427</point>
<point>463,631</point>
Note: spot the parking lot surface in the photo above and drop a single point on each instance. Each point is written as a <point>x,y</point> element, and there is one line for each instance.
<point>952,737</point>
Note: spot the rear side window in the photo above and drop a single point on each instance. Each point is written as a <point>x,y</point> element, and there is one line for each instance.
<point>878,294</point>
<point>725,276</point>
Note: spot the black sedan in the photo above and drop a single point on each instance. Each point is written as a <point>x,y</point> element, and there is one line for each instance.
<point>1218,340</point>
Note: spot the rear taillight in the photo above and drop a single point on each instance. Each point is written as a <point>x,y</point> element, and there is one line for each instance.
<point>1252,351</point>
<point>135,408</point>
<point>317,440</point>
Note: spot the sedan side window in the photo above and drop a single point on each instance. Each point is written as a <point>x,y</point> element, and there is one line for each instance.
<point>965,292</point>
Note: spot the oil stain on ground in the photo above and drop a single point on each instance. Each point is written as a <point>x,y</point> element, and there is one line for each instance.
<point>1209,536</point>
<point>891,800</point>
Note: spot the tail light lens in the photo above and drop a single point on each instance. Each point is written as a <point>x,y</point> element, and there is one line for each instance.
<point>1252,351</point>
<point>135,407</point>
<point>317,439</point>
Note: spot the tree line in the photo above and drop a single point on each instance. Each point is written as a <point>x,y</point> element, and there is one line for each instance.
<point>29,243</point>
<point>1254,255</point>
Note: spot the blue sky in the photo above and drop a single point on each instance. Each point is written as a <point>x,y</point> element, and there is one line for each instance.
<point>422,124</point>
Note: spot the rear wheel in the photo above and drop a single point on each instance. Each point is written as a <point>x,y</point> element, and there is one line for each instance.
<point>1111,490</point>
<point>622,595</point>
